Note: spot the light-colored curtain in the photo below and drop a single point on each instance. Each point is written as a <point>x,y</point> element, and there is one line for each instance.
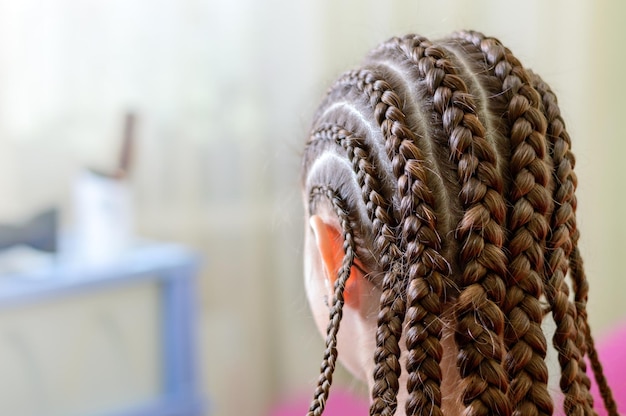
<point>224,91</point>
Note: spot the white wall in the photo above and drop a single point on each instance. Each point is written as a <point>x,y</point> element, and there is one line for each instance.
<point>224,91</point>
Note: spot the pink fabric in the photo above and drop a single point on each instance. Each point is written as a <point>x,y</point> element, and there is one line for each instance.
<point>340,403</point>
<point>612,353</point>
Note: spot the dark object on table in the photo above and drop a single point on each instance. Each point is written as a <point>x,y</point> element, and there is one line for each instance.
<point>125,158</point>
<point>39,233</point>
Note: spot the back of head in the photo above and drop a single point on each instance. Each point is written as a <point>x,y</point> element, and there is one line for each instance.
<point>449,168</point>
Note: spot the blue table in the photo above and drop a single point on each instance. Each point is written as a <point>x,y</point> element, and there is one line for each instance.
<point>173,270</point>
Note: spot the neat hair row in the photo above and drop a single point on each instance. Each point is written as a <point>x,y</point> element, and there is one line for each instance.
<point>451,173</point>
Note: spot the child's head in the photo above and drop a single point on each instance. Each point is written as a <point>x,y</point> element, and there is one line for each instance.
<point>439,196</point>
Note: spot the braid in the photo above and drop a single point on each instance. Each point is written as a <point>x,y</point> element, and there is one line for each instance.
<point>564,174</point>
<point>424,277</point>
<point>421,244</point>
<point>563,154</point>
<point>528,224</point>
<point>393,300</point>
<point>481,255</point>
<point>336,311</point>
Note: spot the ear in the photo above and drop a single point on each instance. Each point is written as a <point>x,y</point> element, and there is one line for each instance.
<point>329,242</point>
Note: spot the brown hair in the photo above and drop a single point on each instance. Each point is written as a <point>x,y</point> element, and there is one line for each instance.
<point>449,168</point>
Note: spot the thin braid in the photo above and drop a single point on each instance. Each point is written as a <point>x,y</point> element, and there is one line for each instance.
<point>560,248</point>
<point>531,203</point>
<point>384,225</point>
<point>336,312</point>
<point>377,201</point>
<point>581,291</point>
<point>480,320</point>
<point>580,298</point>
<point>585,340</point>
<point>387,367</point>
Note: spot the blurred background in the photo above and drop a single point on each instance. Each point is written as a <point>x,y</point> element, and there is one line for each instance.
<point>222,92</point>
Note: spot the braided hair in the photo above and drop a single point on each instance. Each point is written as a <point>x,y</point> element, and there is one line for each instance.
<point>450,171</point>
